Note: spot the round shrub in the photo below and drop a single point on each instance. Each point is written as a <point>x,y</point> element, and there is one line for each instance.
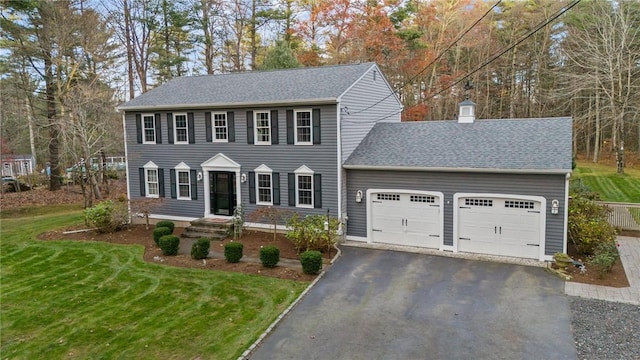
<point>160,232</point>
<point>233,252</point>
<point>311,262</point>
<point>169,244</point>
<point>269,255</point>
<point>200,249</point>
<point>167,224</point>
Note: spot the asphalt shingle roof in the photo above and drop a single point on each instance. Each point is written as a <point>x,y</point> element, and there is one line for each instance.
<point>255,87</point>
<point>542,145</point>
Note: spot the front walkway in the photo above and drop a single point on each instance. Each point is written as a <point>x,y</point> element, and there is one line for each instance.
<point>630,256</point>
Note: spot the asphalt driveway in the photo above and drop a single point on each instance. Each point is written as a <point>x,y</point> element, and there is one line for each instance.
<point>375,304</point>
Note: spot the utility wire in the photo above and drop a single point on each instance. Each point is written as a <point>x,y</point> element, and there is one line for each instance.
<point>544,23</point>
<point>414,77</point>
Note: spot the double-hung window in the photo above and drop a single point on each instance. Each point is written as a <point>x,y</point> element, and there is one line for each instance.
<point>304,187</point>
<point>264,185</point>
<point>303,127</point>
<point>262,128</point>
<point>152,180</point>
<point>184,184</point>
<point>220,130</point>
<point>149,129</point>
<point>180,129</point>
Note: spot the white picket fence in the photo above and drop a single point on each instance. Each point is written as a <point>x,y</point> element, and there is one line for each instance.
<point>625,216</point>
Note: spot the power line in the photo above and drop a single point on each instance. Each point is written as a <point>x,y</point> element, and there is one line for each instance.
<point>544,23</point>
<point>414,77</point>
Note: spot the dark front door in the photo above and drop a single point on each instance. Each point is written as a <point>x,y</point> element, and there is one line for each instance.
<point>222,192</point>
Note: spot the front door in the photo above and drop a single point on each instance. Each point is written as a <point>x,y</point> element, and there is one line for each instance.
<point>222,192</point>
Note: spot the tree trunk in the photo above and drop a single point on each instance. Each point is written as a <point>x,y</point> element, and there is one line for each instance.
<point>32,137</point>
<point>129,45</point>
<point>596,141</point>
<point>54,132</point>
<point>253,35</point>
<point>513,84</point>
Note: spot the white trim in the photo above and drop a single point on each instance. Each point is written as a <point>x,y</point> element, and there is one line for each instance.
<point>175,128</point>
<point>151,166</point>
<point>356,238</point>
<point>566,213</point>
<point>304,171</point>
<point>295,127</point>
<point>339,158</point>
<point>219,162</point>
<point>126,154</point>
<point>143,129</point>
<point>255,127</point>
<point>178,170</point>
<point>402,191</point>
<point>171,217</point>
<point>543,215</point>
<point>457,169</point>
<point>318,101</point>
<point>263,170</point>
<point>213,126</point>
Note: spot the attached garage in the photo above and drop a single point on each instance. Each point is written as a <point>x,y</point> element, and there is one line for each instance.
<point>409,218</point>
<point>504,225</point>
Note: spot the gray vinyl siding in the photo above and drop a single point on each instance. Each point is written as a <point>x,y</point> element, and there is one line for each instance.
<point>281,158</point>
<point>548,186</point>
<point>356,123</point>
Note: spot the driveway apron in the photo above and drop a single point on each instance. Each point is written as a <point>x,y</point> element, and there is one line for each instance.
<point>374,304</point>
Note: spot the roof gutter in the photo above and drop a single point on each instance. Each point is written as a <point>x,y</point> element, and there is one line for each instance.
<point>228,105</point>
<point>458,170</point>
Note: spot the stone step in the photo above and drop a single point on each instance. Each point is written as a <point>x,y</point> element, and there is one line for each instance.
<point>206,229</point>
<point>211,223</point>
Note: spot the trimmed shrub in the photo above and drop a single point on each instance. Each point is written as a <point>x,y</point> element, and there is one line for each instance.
<point>200,249</point>
<point>311,262</point>
<point>107,216</point>
<point>160,232</point>
<point>167,224</point>
<point>588,225</point>
<point>169,244</point>
<point>269,255</point>
<point>605,255</point>
<point>233,252</point>
<point>308,233</point>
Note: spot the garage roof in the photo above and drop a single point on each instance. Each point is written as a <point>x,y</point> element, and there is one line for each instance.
<point>539,145</point>
<point>311,84</point>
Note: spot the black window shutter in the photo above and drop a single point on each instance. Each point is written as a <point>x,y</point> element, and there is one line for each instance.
<point>170,127</point>
<point>158,129</point>
<point>172,176</point>
<point>292,189</point>
<point>316,126</point>
<point>161,182</point>
<point>249,127</point>
<point>317,191</point>
<point>194,184</point>
<point>207,125</point>
<point>275,139</point>
<point>139,128</point>
<point>143,185</point>
<point>231,127</point>
<point>191,128</point>
<point>275,181</point>
<point>290,129</point>
<point>252,187</point>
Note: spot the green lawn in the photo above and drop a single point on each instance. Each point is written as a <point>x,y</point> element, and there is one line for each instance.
<point>81,300</point>
<point>611,185</point>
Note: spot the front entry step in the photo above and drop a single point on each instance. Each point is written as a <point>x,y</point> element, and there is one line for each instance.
<point>214,229</point>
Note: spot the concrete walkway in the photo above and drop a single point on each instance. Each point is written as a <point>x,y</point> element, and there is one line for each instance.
<point>630,256</point>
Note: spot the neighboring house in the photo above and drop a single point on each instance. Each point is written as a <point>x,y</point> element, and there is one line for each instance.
<point>17,165</point>
<point>330,138</point>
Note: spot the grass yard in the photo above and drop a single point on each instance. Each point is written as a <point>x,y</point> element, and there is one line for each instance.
<point>80,300</point>
<point>611,185</point>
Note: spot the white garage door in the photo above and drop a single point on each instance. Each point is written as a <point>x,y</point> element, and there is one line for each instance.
<point>500,226</point>
<point>411,219</point>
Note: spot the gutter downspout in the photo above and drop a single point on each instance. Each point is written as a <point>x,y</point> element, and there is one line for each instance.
<point>566,212</point>
<point>126,158</point>
<point>339,162</point>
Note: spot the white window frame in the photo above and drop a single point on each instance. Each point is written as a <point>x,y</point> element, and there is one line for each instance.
<point>255,128</point>
<point>144,129</point>
<point>182,167</point>
<point>214,127</point>
<point>175,129</point>
<point>304,171</point>
<point>295,127</point>
<point>264,170</point>
<point>150,166</point>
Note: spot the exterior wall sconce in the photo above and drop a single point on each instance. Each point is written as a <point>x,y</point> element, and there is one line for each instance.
<point>243,178</point>
<point>359,196</point>
<point>199,176</point>
<point>555,204</point>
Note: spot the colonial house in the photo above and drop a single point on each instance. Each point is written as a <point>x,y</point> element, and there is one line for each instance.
<point>313,140</point>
